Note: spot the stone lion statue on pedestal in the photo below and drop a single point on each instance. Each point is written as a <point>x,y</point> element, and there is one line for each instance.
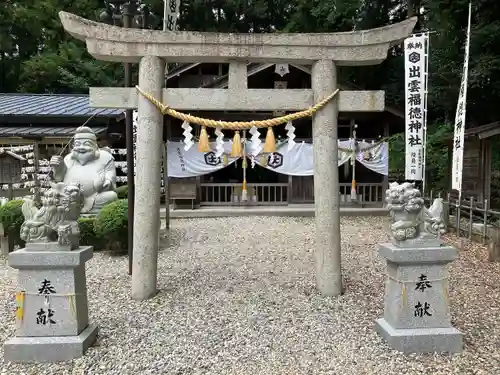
<point>54,225</point>
<point>411,220</point>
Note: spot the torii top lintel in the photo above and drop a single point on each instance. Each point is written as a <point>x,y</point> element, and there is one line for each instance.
<point>112,43</point>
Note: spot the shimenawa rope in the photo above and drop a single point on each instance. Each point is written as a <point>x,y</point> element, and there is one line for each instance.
<point>235,125</point>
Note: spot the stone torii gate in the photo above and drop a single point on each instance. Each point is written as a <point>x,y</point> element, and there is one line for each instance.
<point>150,48</point>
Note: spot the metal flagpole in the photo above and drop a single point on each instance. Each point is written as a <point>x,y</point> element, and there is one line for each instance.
<point>170,15</point>
<point>166,190</point>
<point>129,11</point>
<point>426,91</point>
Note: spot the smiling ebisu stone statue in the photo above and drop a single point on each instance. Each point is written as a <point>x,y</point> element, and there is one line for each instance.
<point>90,168</point>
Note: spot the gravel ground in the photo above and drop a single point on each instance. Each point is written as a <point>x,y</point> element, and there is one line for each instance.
<point>237,296</point>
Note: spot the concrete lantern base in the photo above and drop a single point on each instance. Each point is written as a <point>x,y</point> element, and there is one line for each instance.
<point>49,349</point>
<point>421,340</point>
<point>417,317</point>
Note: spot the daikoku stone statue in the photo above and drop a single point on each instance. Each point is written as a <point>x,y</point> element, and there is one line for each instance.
<point>90,168</point>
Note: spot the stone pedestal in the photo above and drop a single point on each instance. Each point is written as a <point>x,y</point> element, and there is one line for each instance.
<point>52,322</point>
<point>417,307</point>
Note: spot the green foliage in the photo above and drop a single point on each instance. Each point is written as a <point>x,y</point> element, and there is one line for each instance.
<point>437,168</point>
<point>88,236</point>
<point>495,190</point>
<point>232,15</point>
<point>11,217</point>
<point>122,192</point>
<point>396,162</point>
<point>449,21</point>
<point>437,156</point>
<point>37,55</point>
<point>111,224</point>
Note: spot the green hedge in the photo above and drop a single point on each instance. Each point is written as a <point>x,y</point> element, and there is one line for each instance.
<point>88,237</point>
<point>122,192</point>
<point>107,230</point>
<point>111,224</point>
<point>11,217</point>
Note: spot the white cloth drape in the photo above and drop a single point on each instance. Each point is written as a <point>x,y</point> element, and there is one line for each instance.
<point>298,161</point>
<point>376,158</point>
<point>193,163</point>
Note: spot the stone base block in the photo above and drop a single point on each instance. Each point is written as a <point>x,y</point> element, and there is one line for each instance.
<point>421,340</point>
<point>49,349</point>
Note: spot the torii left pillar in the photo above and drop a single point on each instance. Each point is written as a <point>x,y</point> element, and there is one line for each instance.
<point>326,177</point>
<point>147,192</point>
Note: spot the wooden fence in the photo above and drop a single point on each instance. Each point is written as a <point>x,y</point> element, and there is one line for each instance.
<point>468,217</point>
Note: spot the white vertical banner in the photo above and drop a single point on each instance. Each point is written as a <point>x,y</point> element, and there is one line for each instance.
<point>171,12</point>
<point>416,57</point>
<point>458,137</point>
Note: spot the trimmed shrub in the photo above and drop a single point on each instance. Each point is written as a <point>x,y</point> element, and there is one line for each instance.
<point>11,217</point>
<point>111,224</point>
<point>122,192</point>
<point>88,237</point>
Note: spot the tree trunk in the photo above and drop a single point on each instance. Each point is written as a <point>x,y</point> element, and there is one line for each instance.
<point>411,8</point>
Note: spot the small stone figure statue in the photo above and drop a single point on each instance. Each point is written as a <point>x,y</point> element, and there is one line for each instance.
<point>53,226</point>
<point>89,167</point>
<point>411,220</point>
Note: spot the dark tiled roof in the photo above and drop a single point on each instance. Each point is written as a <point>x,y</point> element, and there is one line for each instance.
<point>51,105</point>
<point>181,68</point>
<point>38,131</point>
<point>484,131</point>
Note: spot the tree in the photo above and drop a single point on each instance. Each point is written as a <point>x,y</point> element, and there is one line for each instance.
<point>448,20</point>
<point>38,56</point>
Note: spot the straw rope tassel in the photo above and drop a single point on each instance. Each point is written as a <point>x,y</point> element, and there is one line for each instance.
<point>270,144</point>
<point>203,145</point>
<point>236,125</point>
<point>244,188</point>
<point>236,149</point>
<point>20,305</point>
<point>403,295</point>
<point>72,305</point>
